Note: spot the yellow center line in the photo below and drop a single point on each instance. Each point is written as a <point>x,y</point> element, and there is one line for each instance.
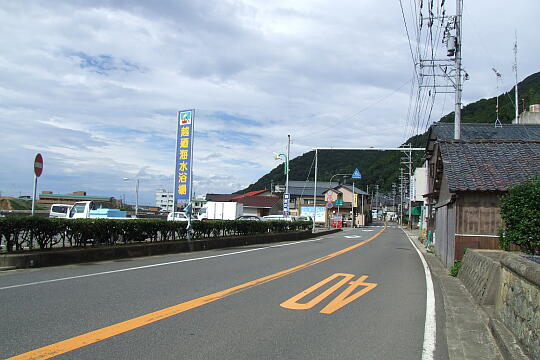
<point>92,337</point>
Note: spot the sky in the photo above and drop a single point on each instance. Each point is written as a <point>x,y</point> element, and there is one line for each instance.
<point>95,86</point>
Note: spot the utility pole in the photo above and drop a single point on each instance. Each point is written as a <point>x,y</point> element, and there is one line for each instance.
<point>394,196</point>
<point>407,161</point>
<point>288,155</point>
<point>400,207</point>
<point>457,113</point>
<point>377,200</point>
<point>515,67</point>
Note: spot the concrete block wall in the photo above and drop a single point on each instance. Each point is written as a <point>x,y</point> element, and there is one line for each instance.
<point>480,273</point>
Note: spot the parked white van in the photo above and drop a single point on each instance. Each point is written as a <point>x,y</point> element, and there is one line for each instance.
<point>178,216</point>
<point>59,210</point>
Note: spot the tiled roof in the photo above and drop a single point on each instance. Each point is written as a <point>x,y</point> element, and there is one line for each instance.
<point>489,165</point>
<point>311,184</point>
<point>248,194</point>
<point>219,197</point>
<point>356,190</point>
<point>259,201</point>
<point>307,191</point>
<point>487,131</point>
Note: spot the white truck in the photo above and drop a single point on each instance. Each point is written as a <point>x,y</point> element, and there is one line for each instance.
<point>221,210</point>
<point>91,210</point>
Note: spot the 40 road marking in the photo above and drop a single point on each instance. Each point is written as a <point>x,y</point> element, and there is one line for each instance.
<point>64,346</point>
<point>341,299</point>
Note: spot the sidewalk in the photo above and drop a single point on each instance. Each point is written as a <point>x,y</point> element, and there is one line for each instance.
<point>467,331</point>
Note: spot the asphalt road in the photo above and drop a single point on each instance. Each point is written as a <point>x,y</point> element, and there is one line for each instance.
<point>350,295</point>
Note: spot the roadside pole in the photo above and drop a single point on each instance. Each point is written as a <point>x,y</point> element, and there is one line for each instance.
<point>34,196</point>
<point>352,205</point>
<point>315,191</point>
<point>38,170</point>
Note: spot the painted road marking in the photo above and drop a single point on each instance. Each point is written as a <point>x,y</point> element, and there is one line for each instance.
<point>62,347</point>
<point>353,236</point>
<point>430,325</point>
<point>341,299</point>
<point>155,265</point>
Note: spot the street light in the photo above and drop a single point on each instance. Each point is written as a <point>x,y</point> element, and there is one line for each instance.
<point>338,175</point>
<point>136,194</point>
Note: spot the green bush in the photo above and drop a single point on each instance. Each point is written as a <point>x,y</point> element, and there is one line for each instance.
<point>520,212</point>
<point>454,270</point>
<point>19,233</point>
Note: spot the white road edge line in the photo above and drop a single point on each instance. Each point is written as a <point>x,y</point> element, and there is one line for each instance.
<point>155,265</point>
<point>430,326</point>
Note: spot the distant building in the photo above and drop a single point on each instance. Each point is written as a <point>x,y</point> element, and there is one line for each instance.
<point>258,202</point>
<point>47,198</point>
<point>529,117</point>
<point>164,200</point>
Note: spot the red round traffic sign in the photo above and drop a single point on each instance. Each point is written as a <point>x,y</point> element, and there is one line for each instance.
<point>38,165</point>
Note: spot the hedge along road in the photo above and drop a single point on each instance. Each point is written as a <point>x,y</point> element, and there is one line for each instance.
<point>180,310</point>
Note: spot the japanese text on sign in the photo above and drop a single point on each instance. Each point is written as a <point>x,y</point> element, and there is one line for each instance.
<point>184,148</point>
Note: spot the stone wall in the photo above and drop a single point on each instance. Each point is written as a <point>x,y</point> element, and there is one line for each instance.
<point>518,302</point>
<point>511,285</point>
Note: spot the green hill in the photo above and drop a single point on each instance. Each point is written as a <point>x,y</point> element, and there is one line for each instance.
<point>484,110</point>
<point>382,167</point>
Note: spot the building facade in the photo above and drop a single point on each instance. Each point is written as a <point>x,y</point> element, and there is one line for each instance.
<point>47,198</point>
<point>164,200</point>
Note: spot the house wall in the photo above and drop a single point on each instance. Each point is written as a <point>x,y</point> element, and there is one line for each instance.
<point>420,183</point>
<point>478,219</point>
<point>445,221</point>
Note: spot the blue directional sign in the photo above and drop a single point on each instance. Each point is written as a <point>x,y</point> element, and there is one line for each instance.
<point>356,174</point>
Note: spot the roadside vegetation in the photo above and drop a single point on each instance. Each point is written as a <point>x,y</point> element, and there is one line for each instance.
<point>19,233</point>
<point>520,212</point>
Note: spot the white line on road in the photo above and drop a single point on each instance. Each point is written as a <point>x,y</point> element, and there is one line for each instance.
<point>155,265</point>
<point>430,326</point>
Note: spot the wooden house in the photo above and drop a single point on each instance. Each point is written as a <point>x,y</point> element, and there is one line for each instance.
<point>467,179</point>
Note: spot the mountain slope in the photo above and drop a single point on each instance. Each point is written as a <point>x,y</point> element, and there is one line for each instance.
<point>382,168</point>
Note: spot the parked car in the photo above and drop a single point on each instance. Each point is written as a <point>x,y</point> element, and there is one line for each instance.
<point>302,218</point>
<point>59,211</point>
<point>250,217</point>
<point>92,210</point>
<point>278,217</point>
<point>178,216</point>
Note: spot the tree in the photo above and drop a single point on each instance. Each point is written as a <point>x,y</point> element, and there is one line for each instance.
<point>520,211</point>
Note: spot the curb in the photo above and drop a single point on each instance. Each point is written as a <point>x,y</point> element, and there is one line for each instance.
<point>58,257</point>
<point>7,268</point>
<point>468,335</point>
<point>506,341</point>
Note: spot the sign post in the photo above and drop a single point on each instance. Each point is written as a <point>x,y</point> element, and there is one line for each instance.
<point>286,198</point>
<point>183,174</point>
<point>38,170</point>
<point>355,175</point>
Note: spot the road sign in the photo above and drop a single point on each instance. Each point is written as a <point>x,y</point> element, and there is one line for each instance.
<point>38,165</point>
<point>356,174</point>
<point>338,202</point>
<point>329,205</point>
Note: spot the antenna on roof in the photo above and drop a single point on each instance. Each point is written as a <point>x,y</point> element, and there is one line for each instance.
<point>498,76</point>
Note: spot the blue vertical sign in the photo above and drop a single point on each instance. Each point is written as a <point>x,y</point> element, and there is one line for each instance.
<point>184,156</point>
